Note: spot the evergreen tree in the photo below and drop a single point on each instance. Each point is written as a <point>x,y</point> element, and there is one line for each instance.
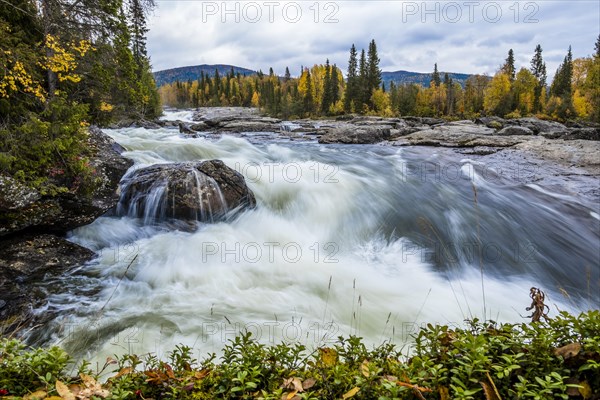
<point>287,75</point>
<point>327,98</point>
<point>363,85</point>
<point>435,77</point>
<point>138,31</point>
<point>561,86</point>
<point>449,86</point>
<point>509,65</point>
<point>335,84</point>
<point>597,47</point>
<point>308,100</point>
<point>351,97</point>
<point>538,69</point>
<point>373,70</point>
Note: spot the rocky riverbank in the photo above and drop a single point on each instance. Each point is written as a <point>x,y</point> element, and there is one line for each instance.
<point>570,145</point>
<point>33,226</point>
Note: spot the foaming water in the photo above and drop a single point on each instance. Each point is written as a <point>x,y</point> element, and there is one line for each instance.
<point>362,240</point>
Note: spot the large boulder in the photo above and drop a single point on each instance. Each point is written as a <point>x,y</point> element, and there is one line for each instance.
<point>24,208</point>
<point>351,134</point>
<point>205,191</point>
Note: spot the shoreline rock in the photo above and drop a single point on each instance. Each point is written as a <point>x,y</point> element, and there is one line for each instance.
<point>32,248</point>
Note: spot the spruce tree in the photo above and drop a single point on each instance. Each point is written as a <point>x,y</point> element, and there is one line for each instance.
<point>352,81</point>
<point>363,90</point>
<point>373,70</point>
<point>509,65</point>
<point>538,69</point>
<point>335,84</point>
<point>326,100</point>
<point>287,75</point>
<point>597,47</point>
<point>435,77</point>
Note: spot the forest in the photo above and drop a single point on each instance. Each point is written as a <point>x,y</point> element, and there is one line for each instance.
<point>65,65</point>
<point>322,91</point>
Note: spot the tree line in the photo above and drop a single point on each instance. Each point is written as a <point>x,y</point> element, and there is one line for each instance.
<point>322,91</point>
<point>65,64</point>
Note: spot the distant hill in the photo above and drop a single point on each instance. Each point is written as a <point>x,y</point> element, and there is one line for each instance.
<point>184,74</point>
<point>402,77</point>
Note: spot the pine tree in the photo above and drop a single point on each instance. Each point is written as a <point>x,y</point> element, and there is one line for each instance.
<point>509,65</point>
<point>597,47</point>
<point>352,82</point>
<point>287,75</point>
<point>435,77</point>
<point>538,69</point>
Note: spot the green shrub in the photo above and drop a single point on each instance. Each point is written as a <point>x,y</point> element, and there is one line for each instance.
<point>484,360</point>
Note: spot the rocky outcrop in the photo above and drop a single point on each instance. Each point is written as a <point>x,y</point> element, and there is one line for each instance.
<point>352,134</point>
<point>515,130</point>
<point>28,265</point>
<point>233,120</point>
<point>205,191</point>
<point>23,208</point>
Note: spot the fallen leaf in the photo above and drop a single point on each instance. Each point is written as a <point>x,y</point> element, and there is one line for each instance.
<point>364,369</point>
<point>350,393</point>
<point>568,351</point>
<point>64,391</point>
<point>122,372</point>
<point>294,384</point>
<point>38,395</point>
<point>444,393</point>
<point>201,374</point>
<point>308,383</point>
<point>291,395</point>
<point>328,356</point>
<point>390,378</point>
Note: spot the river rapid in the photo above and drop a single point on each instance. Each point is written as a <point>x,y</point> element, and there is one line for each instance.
<point>367,240</point>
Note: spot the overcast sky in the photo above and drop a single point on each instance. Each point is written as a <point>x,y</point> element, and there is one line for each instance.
<point>461,36</point>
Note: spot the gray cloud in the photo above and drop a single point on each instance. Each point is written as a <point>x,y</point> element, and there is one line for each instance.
<point>471,37</point>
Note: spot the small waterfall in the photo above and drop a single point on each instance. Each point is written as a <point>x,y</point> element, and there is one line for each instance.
<point>208,192</point>
<point>161,192</point>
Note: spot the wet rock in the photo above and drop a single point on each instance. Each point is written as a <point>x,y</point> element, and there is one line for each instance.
<point>183,128</point>
<point>199,127</point>
<point>28,267</point>
<point>352,134</point>
<point>205,191</point>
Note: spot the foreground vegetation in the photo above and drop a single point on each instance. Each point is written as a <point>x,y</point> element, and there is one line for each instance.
<point>554,358</point>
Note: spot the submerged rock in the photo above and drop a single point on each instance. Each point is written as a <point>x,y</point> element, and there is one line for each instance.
<point>205,191</point>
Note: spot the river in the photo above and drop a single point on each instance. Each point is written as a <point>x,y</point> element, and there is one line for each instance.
<point>346,239</point>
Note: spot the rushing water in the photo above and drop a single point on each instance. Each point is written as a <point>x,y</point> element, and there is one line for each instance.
<point>365,240</point>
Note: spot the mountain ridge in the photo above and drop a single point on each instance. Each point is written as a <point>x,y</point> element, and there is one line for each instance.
<point>192,72</point>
